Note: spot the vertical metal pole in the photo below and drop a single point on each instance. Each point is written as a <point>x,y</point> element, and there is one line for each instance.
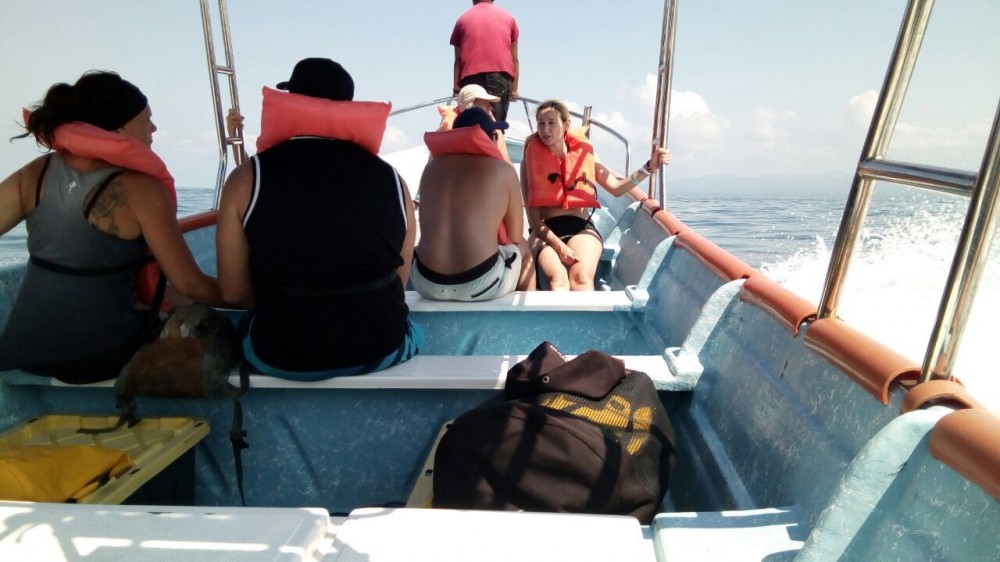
<point>213,80</point>
<point>206,26</point>
<point>238,155</point>
<point>897,79</point>
<point>968,265</point>
<point>661,114</point>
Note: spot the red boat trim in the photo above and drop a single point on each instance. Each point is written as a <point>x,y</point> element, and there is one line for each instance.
<point>198,220</point>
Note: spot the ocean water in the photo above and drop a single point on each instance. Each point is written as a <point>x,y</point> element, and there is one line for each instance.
<point>894,284</point>
<point>895,280</point>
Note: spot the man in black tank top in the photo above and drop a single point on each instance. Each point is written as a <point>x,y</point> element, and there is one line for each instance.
<point>315,236</point>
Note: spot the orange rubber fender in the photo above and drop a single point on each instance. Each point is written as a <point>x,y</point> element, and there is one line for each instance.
<point>787,307</point>
<point>939,390</point>
<point>673,224</point>
<point>969,442</point>
<point>867,362</point>
<point>724,264</point>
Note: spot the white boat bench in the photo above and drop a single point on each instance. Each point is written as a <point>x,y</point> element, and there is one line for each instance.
<point>453,372</point>
<point>531,301</point>
<point>430,372</point>
<point>444,535</point>
<point>95,533</point>
<point>770,534</point>
<point>70,532</point>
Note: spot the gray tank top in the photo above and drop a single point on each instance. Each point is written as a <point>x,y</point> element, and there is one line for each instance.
<point>80,303</point>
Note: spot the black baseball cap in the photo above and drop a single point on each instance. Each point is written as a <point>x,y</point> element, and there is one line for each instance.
<point>320,78</point>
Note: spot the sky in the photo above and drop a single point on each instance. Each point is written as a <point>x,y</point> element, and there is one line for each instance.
<point>761,88</point>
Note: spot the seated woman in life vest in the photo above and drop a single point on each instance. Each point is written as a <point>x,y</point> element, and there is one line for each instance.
<point>94,207</point>
<point>559,179</point>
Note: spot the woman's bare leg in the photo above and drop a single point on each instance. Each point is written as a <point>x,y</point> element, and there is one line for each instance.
<point>549,264</point>
<point>588,247</point>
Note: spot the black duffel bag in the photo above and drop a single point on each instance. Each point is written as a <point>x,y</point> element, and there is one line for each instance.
<point>583,436</point>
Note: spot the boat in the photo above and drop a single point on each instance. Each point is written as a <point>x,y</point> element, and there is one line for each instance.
<point>798,436</point>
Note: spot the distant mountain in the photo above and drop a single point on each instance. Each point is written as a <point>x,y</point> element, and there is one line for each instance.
<point>818,185</point>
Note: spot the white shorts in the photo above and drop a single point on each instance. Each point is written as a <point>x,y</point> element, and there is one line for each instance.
<point>491,279</point>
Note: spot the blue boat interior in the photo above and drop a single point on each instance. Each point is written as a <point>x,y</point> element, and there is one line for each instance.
<point>785,449</point>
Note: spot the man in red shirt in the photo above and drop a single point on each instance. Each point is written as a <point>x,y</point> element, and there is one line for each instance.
<point>485,41</point>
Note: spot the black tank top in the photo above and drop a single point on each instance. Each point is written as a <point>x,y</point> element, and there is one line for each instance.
<point>325,226</point>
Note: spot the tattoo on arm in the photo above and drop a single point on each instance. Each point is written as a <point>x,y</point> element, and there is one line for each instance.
<point>102,215</point>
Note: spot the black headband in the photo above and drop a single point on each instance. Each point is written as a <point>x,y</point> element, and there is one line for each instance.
<point>114,103</point>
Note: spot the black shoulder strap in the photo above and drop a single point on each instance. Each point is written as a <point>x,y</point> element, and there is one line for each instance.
<point>153,318</point>
<point>41,176</point>
<point>97,192</point>
<point>237,435</point>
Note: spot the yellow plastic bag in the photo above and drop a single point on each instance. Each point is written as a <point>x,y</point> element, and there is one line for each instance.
<point>57,473</point>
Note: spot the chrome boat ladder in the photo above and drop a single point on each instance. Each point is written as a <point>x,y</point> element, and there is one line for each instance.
<point>215,70</point>
<point>982,188</point>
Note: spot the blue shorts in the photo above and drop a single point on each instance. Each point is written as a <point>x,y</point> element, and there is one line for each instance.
<point>413,342</point>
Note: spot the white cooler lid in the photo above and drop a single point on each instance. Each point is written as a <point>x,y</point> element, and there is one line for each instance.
<point>93,533</point>
<point>444,535</point>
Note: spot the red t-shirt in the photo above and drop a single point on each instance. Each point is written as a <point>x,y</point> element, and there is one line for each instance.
<point>485,33</point>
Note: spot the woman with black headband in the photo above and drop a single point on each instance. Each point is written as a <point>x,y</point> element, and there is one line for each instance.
<point>91,225</point>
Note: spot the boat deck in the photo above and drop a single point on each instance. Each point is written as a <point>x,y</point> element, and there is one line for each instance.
<point>781,420</point>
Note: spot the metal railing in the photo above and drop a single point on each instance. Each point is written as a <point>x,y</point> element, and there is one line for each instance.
<point>980,221</point>
<point>215,70</point>
<point>524,101</point>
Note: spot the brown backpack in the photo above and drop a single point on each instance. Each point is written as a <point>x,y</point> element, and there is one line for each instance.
<point>583,436</point>
<point>192,356</point>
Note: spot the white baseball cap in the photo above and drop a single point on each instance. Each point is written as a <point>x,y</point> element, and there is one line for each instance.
<point>469,94</point>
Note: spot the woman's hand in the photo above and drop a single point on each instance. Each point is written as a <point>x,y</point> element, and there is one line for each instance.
<point>566,255</point>
<point>660,157</point>
<point>234,122</point>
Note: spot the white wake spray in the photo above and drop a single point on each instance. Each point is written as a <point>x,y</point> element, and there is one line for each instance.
<point>895,281</point>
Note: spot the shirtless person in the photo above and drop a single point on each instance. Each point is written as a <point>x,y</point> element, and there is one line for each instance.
<point>465,198</point>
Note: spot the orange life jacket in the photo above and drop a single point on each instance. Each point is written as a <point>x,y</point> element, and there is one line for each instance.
<point>448,115</point>
<point>466,140</point>
<point>285,115</point>
<point>88,141</point>
<point>570,183</point>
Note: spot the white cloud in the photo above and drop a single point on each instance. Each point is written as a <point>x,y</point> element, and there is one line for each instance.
<point>395,139</point>
<point>955,146</point>
<point>645,93</point>
<point>616,120</point>
<point>518,129</point>
<point>771,126</point>
<point>695,131</point>
<point>692,119</point>
<point>914,136</point>
<point>862,106</point>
